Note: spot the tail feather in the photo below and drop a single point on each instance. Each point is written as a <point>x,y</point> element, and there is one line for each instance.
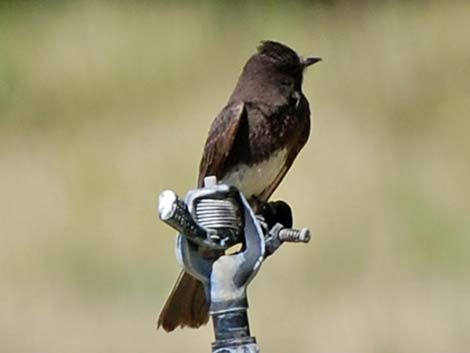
<point>185,306</point>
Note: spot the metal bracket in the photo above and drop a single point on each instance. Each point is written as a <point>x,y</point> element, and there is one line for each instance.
<point>209,221</point>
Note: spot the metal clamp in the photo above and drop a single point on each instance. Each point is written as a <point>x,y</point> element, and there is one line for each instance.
<point>209,221</point>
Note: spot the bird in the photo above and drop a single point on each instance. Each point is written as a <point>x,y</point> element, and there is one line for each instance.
<point>251,145</point>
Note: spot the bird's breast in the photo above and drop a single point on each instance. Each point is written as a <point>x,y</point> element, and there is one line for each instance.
<point>251,180</point>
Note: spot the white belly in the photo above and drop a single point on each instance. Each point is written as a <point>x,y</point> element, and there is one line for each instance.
<point>252,180</point>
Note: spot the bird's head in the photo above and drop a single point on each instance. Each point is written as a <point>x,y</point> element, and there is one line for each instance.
<point>280,60</point>
<point>275,70</point>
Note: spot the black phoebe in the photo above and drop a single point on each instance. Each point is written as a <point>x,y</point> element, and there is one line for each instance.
<point>251,144</point>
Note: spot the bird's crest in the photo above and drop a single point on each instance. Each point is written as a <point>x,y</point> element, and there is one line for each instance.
<point>277,51</point>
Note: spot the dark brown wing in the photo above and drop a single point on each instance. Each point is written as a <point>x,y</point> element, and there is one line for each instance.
<point>186,304</point>
<point>220,141</point>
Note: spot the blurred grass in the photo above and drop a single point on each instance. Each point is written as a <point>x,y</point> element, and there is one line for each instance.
<point>103,105</point>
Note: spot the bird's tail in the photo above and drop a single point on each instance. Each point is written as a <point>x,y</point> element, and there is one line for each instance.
<point>185,306</point>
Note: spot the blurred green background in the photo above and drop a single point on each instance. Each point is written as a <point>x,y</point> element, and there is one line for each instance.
<point>105,104</point>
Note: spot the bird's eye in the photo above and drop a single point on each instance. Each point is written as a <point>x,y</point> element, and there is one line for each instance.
<point>286,82</point>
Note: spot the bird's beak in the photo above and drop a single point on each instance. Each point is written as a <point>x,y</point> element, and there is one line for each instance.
<point>310,61</point>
